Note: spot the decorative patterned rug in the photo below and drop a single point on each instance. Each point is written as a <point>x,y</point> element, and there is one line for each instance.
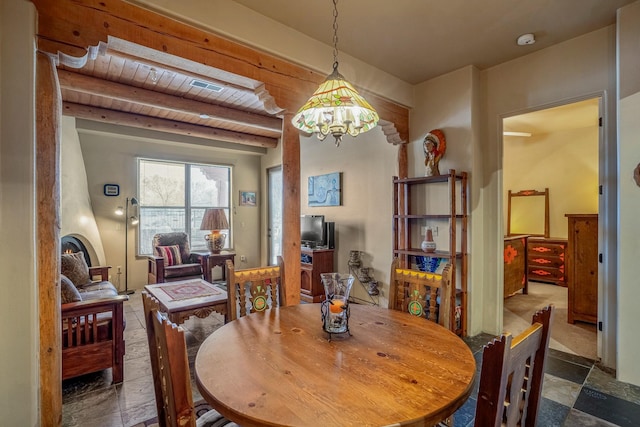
<point>201,408</point>
<point>189,290</point>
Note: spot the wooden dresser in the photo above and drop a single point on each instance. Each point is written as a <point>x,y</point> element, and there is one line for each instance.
<point>582,268</point>
<point>546,260</point>
<point>314,262</point>
<point>515,265</point>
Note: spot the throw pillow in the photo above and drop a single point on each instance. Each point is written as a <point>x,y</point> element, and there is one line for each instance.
<point>68,292</point>
<point>171,254</point>
<point>75,268</point>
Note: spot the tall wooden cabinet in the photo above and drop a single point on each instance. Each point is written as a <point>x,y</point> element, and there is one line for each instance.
<point>582,268</point>
<point>434,201</point>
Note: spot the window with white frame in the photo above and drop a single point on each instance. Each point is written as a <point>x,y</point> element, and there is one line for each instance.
<point>173,196</point>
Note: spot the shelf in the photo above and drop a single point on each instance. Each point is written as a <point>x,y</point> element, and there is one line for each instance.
<point>428,179</point>
<point>407,227</point>
<point>373,299</point>
<point>420,252</point>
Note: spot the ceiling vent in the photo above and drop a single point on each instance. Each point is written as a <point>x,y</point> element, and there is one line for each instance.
<point>205,85</point>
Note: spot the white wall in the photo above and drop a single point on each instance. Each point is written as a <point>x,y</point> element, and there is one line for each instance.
<point>363,221</point>
<point>19,372</point>
<point>449,103</point>
<point>76,212</point>
<point>110,154</point>
<point>576,69</point>
<point>629,193</point>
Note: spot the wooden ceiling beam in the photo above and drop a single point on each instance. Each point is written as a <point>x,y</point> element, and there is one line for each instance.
<point>93,86</point>
<point>163,125</point>
<point>70,25</point>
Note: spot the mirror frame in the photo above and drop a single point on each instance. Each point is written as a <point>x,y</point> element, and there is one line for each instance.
<point>530,193</point>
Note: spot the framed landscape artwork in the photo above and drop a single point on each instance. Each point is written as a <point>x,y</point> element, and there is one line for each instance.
<point>325,190</point>
<point>247,198</point>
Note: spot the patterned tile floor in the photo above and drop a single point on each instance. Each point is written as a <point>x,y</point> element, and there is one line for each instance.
<point>577,392</point>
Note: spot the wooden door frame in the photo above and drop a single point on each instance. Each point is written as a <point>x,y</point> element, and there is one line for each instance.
<point>66,32</point>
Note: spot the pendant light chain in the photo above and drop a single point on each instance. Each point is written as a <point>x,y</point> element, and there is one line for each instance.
<point>335,34</point>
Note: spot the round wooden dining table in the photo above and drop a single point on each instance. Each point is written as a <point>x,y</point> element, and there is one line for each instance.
<point>278,368</point>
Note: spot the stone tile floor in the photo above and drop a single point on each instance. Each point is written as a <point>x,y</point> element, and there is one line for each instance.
<point>577,392</point>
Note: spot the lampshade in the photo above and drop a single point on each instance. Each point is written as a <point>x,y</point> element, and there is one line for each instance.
<point>335,108</point>
<point>214,219</point>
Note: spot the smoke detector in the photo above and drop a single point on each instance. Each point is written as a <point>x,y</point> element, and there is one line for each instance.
<point>526,39</point>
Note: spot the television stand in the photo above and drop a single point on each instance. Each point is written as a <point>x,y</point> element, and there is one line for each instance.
<point>313,262</point>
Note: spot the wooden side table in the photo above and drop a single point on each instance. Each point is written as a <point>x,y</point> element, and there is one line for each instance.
<point>219,260</point>
<point>186,298</point>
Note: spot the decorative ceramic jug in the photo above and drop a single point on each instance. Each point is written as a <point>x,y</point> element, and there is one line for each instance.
<point>428,245</point>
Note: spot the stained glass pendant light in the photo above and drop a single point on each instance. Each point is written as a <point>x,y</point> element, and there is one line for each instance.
<point>335,108</point>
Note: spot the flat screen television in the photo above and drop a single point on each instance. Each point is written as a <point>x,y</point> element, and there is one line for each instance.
<point>312,230</point>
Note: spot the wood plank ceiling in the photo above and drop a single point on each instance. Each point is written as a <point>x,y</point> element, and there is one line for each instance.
<point>134,86</point>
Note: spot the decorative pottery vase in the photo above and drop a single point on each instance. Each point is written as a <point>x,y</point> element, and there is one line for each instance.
<point>428,245</point>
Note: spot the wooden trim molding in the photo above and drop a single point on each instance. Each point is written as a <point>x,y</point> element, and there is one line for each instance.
<point>74,29</point>
<point>48,118</point>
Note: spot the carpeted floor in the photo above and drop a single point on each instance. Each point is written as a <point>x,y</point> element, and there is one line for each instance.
<point>577,339</point>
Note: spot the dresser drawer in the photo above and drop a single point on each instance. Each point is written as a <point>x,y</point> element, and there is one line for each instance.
<point>547,274</point>
<point>546,261</point>
<point>546,249</point>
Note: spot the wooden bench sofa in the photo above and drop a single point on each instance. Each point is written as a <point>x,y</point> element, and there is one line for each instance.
<point>92,325</point>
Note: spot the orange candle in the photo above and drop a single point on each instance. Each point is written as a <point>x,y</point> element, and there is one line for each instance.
<point>336,304</point>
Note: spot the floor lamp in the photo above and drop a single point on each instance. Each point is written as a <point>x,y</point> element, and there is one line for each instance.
<point>133,221</point>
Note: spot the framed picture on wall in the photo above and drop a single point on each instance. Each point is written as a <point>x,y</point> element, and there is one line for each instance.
<point>247,198</point>
<point>325,190</point>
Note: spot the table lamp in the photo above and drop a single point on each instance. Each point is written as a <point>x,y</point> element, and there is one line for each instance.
<point>214,220</point>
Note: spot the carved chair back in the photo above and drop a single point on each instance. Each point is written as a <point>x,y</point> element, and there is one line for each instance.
<point>512,375</point>
<point>421,294</point>
<point>254,289</point>
<point>170,367</point>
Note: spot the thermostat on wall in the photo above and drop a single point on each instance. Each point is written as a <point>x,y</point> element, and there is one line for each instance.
<point>111,190</point>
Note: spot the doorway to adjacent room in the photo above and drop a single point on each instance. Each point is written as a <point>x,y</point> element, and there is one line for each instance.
<point>556,149</point>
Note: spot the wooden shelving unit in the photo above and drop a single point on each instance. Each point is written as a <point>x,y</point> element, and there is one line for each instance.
<point>412,209</point>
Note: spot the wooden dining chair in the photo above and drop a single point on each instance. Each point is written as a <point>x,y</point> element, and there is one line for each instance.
<point>170,368</point>
<point>421,294</point>
<point>254,289</point>
<point>512,375</point>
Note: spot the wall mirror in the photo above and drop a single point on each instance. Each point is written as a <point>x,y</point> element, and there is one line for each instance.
<point>528,213</point>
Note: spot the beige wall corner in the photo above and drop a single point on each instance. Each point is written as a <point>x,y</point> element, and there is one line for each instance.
<point>629,193</point>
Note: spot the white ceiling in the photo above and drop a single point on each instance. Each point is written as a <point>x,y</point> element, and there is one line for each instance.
<point>416,40</point>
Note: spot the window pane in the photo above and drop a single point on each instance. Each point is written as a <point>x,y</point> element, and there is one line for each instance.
<point>161,184</point>
<point>158,220</point>
<point>210,186</point>
<point>165,187</point>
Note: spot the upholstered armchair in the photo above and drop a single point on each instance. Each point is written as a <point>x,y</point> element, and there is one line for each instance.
<point>173,260</point>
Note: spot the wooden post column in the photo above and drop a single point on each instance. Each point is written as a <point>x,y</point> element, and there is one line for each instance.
<point>48,119</point>
<point>291,209</point>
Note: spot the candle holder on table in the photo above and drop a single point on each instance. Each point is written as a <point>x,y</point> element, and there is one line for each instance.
<point>335,307</point>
